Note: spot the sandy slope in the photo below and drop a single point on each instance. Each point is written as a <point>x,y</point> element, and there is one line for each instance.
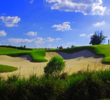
<point>74,63</point>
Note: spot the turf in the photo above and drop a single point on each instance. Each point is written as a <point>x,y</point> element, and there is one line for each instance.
<point>5,68</point>
<point>37,55</point>
<point>103,50</point>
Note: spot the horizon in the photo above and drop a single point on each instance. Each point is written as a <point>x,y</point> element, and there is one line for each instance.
<point>52,23</point>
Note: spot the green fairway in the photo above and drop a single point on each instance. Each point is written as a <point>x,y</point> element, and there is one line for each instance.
<point>103,50</point>
<point>37,55</point>
<point>5,68</point>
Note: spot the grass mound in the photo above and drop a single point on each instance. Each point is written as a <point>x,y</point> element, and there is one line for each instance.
<point>5,68</point>
<point>103,50</point>
<point>37,55</point>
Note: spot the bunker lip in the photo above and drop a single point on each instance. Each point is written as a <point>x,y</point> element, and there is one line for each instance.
<point>67,56</point>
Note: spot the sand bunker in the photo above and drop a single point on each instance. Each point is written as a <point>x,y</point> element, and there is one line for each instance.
<point>83,53</point>
<point>27,57</point>
<point>74,62</point>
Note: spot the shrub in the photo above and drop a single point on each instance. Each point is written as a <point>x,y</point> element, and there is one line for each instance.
<point>55,66</point>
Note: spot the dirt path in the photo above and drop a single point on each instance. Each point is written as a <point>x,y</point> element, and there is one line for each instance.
<point>74,62</point>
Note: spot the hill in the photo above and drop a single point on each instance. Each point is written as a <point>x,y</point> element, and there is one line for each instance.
<point>37,55</point>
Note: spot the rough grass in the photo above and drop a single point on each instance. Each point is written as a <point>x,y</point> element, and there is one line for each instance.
<point>5,68</point>
<point>93,85</point>
<point>103,50</point>
<point>37,55</point>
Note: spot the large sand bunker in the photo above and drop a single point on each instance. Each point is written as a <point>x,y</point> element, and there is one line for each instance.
<point>74,63</point>
<point>83,53</point>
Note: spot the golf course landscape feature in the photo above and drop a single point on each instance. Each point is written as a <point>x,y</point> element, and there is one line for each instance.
<point>101,50</point>
<point>5,68</point>
<point>86,75</point>
<point>36,54</point>
<point>33,61</point>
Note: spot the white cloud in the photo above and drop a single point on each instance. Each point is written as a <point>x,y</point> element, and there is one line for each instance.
<point>31,1</point>
<point>90,35</point>
<point>10,21</point>
<point>85,35</point>
<point>3,33</point>
<point>91,7</point>
<point>41,40</point>
<point>97,24</point>
<point>19,40</point>
<point>31,33</point>
<point>36,41</point>
<point>62,27</point>
<point>82,35</point>
<point>49,39</point>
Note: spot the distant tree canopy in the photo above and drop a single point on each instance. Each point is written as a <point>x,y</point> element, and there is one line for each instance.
<point>97,38</point>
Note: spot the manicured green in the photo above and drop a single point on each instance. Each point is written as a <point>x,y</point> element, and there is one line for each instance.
<point>5,68</point>
<point>103,50</point>
<point>37,55</point>
<point>78,86</point>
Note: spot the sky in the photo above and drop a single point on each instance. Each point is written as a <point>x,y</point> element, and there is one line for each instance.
<point>52,23</point>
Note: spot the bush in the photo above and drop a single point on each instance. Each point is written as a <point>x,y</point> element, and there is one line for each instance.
<point>55,66</point>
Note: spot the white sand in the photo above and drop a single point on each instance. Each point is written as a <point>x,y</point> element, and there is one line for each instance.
<point>74,62</point>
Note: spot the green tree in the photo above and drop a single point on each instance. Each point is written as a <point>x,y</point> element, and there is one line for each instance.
<point>55,66</point>
<point>97,38</point>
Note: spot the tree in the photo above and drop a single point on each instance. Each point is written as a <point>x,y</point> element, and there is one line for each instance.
<point>54,66</point>
<point>97,38</point>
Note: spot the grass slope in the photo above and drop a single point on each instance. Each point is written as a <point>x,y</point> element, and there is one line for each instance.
<point>103,50</point>
<point>5,68</point>
<point>37,55</point>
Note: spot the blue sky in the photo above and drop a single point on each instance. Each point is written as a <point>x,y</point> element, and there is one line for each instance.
<point>52,23</point>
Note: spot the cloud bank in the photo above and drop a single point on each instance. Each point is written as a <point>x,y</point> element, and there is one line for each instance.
<point>36,41</point>
<point>87,7</point>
